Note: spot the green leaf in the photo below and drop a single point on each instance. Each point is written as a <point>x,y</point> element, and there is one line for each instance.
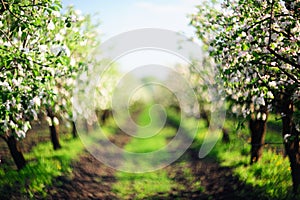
<point>245,46</point>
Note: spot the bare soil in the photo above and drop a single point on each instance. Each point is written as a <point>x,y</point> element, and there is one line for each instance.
<point>91,179</point>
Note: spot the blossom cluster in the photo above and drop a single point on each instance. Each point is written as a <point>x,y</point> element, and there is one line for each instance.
<point>42,51</point>
<point>256,46</point>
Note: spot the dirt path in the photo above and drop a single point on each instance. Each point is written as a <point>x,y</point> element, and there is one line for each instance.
<point>90,178</point>
<point>216,182</point>
<point>194,178</point>
<point>93,180</point>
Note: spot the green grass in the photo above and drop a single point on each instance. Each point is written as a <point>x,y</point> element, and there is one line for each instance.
<point>44,165</point>
<point>148,185</point>
<point>148,126</point>
<point>271,176</point>
<point>142,185</point>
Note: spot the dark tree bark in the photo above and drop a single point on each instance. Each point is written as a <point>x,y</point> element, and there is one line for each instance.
<point>74,130</point>
<point>204,115</point>
<point>53,131</point>
<point>16,152</point>
<point>225,138</point>
<point>258,129</point>
<point>105,115</point>
<point>291,142</point>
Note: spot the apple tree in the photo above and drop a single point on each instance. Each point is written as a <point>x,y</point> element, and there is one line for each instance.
<point>257,46</point>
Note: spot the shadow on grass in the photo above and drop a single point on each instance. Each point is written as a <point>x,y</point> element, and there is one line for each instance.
<point>218,182</point>
<point>43,165</point>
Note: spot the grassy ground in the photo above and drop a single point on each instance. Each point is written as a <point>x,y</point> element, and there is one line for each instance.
<point>271,176</point>
<point>146,185</point>
<point>44,164</point>
<point>138,186</point>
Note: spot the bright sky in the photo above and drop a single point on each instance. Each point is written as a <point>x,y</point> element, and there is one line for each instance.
<point>125,15</point>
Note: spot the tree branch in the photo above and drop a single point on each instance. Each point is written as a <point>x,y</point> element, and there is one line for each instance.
<point>256,23</point>
<point>265,19</point>
<point>280,57</point>
<point>289,75</point>
<point>6,36</point>
<point>3,3</point>
<point>270,41</point>
<point>271,23</point>
<point>263,82</point>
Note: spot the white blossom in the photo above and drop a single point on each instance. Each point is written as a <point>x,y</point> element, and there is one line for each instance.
<point>297,127</point>
<point>286,137</point>
<point>20,134</point>
<point>55,121</point>
<point>48,119</point>
<point>66,50</point>
<point>78,12</point>
<point>12,125</point>
<point>37,101</point>
<point>80,18</point>
<point>51,26</point>
<point>55,49</point>
<point>16,83</point>
<point>63,31</point>
<point>260,101</point>
<point>26,127</point>
<point>72,61</point>
<point>58,37</point>
<point>272,84</point>
<point>25,50</point>
<point>73,18</point>
<point>56,13</point>
<point>19,106</point>
<point>43,48</point>
<point>258,115</point>
<point>264,116</point>
<point>270,95</point>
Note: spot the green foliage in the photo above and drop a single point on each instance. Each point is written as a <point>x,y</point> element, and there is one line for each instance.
<point>42,51</point>
<point>270,177</point>
<point>255,44</point>
<point>45,164</point>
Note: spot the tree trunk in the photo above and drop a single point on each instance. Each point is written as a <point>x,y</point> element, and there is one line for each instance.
<point>204,115</point>
<point>291,142</point>
<point>74,130</point>
<point>258,132</point>
<point>16,152</point>
<point>53,131</point>
<point>105,115</point>
<point>225,138</point>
